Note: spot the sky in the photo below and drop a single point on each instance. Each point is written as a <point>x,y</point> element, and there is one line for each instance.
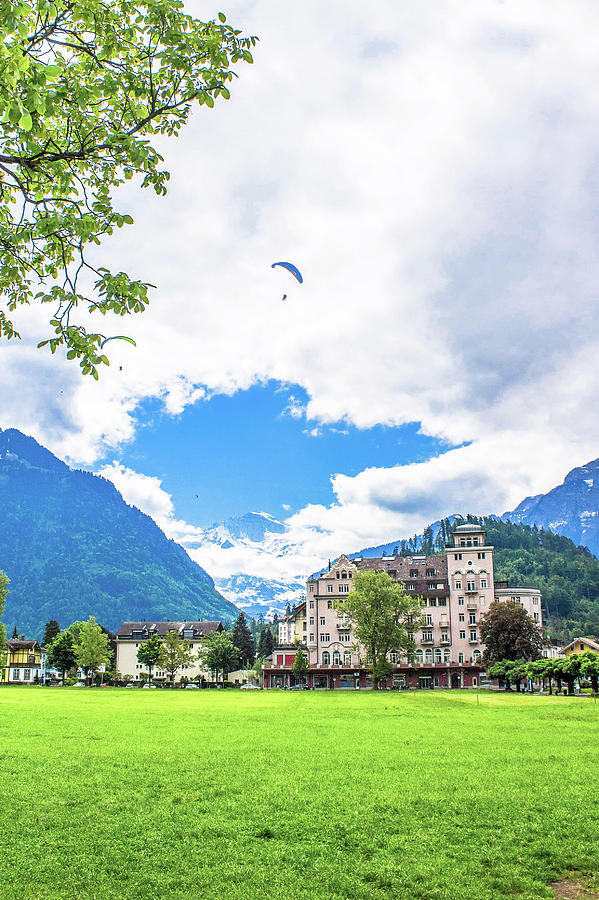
<point>431,169</point>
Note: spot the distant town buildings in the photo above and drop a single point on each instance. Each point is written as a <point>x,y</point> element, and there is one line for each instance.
<point>457,588</point>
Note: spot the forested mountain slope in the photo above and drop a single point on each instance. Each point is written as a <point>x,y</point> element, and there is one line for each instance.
<point>73,548</point>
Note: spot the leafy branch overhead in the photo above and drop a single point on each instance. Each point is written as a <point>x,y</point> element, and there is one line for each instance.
<point>84,84</point>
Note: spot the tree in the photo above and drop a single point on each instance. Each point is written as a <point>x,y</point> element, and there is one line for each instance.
<point>508,632</point>
<point>500,670</point>
<point>384,617</point>
<point>258,669</point>
<point>174,654</point>
<point>589,668</point>
<point>52,631</point>
<point>541,669</point>
<point>149,653</point>
<point>567,668</point>
<point>4,582</point>
<point>61,653</point>
<point>242,638</point>
<point>85,84</point>
<point>266,642</point>
<point>219,653</point>
<point>300,666</point>
<point>92,650</point>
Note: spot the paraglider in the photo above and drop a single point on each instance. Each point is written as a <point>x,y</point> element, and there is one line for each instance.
<point>290,268</point>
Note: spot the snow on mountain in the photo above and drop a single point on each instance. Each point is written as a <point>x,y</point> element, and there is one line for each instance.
<point>570,508</point>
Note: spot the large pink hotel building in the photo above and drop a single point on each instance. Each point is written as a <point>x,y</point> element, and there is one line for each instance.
<point>457,588</point>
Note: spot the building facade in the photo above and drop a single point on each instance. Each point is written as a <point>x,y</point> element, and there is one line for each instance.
<point>25,663</point>
<point>457,588</point>
<point>131,635</point>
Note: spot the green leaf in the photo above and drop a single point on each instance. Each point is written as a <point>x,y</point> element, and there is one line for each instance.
<point>222,17</point>
<point>26,122</point>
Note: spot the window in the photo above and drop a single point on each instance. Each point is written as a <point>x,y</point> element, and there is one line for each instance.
<point>444,638</point>
<point>476,656</point>
<point>304,626</point>
<point>458,584</point>
<point>535,616</point>
<point>311,620</point>
<point>311,604</point>
<point>438,656</point>
<point>442,601</point>
<point>419,656</point>
<point>311,637</point>
<point>460,658</point>
<point>16,675</point>
<point>460,601</point>
<point>187,633</point>
<point>473,636</point>
<point>344,636</point>
<point>472,619</point>
<point>337,575</point>
<point>325,638</point>
<point>326,658</point>
<point>411,586</point>
<point>430,573</point>
<point>457,555</point>
<point>322,620</point>
<point>483,583</point>
<point>462,617</point>
<point>430,586</point>
<point>347,658</point>
<point>471,586</point>
<point>336,658</point>
<point>462,635</point>
<point>535,600</point>
<point>474,681</point>
<point>344,588</point>
<point>26,674</point>
<point>311,589</point>
<point>413,573</point>
<point>329,604</point>
<point>330,588</point>
<point>428,619</point>
<point>428,656</point>
<point>427,635</point>
<point>481,555</point>
<point>344,575</point>
<point>393,657</point>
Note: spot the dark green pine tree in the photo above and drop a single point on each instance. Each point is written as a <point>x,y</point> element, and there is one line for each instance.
<point>266,644</point>
<point>52,631</point>
<point>242,638</point>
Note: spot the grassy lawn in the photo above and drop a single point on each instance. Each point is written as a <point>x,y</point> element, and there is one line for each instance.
<point>114,793</point>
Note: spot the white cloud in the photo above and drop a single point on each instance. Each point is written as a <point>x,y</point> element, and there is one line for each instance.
<point>432,176</point>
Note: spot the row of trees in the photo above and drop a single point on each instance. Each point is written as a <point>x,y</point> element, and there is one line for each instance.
<point>567,669</point>
<point>83,644</point>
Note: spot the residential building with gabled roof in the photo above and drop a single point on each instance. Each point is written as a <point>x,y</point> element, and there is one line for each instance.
<point>131,635</point>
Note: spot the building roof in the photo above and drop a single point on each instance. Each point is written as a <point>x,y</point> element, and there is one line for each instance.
<point>466,528</point>
<point>200,629</point>
<point>15,644</point>
<point>593,642</point>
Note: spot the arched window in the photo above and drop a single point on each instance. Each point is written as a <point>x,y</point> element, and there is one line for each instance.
<point>336,658</point>
<point>438,656</point>
<point>476,656</point>
<point>347,659</point>
<point>419,656</point>
<point>326,658</point>
<point>447,656</point>
<point>428,655</point>
<point>344,575</point>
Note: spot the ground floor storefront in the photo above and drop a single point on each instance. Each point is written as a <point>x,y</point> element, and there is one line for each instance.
<point>403,678</point>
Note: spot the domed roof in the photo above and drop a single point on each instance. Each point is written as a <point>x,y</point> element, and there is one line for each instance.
<point>468,527</point>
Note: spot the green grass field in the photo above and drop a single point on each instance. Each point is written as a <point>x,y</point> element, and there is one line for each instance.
<point>110,793</point>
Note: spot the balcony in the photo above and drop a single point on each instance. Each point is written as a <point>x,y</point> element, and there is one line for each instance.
<point>444,623</point>
<point>472,603</point>
<point>427,640</point>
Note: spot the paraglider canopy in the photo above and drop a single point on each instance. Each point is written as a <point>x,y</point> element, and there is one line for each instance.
<point>290,268</point>
<point>118,337</point>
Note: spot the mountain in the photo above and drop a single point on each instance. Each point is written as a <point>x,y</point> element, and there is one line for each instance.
<point>73,548</point>
<point>570,509</point>
<point>254,535</point>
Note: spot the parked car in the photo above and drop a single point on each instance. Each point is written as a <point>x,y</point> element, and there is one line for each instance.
<point>149,687</point>
<point>299,687</point>
<point>79,684</point>
<point>249,687</point>
<point>191,687</point>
